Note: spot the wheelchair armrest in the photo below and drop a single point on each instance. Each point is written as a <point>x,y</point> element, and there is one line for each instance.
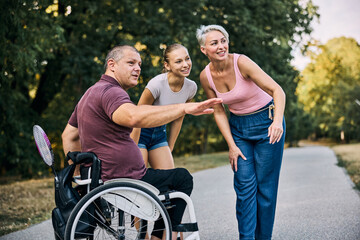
<point>82,182</point>
<point>79,181</point>
<point>77,177</point>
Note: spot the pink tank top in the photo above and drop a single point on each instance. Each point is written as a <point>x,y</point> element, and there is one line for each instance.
<point>245,97</point>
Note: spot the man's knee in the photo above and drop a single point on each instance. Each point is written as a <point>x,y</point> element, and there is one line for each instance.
<point>184,173</point>
<point>185,180</point>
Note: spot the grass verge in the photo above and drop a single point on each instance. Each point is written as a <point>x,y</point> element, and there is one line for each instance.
<point>202,162</point>
<point>349,157</point>
<point>24,203</point>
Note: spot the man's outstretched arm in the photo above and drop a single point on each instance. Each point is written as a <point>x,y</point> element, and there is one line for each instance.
<point>145,116</point>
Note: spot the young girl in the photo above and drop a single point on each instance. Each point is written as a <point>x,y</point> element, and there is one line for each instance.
<point>170,87</point>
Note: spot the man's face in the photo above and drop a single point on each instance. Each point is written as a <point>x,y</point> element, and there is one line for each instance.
<point>127,69</point>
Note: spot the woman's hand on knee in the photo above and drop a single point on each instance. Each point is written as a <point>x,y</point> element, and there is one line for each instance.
<point>234,154</point>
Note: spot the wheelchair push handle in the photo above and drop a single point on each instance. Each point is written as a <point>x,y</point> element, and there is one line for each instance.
<point>85,157</point>
<point>81,157</point>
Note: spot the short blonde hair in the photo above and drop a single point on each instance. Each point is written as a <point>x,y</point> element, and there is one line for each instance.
<point>203,30</point>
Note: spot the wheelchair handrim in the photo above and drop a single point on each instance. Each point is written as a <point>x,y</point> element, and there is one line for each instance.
<point>86,201</point>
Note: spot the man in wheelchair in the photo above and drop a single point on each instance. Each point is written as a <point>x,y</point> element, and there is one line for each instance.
<point>103,120</point>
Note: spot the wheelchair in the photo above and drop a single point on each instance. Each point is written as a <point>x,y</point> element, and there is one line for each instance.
<point>122,208</point>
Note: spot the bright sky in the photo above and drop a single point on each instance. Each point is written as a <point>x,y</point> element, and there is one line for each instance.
<point>337,18</point>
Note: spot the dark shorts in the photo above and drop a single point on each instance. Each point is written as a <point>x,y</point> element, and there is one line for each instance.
<point>177,179</point>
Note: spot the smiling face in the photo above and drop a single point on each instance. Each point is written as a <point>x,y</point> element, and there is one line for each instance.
<point>127,69</point>
<point>178,62</point>
<point>216,46</point>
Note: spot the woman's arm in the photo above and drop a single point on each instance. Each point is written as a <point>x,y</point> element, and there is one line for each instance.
<point>251,70</point>
<point>146,98</point>
<point>222,123</point>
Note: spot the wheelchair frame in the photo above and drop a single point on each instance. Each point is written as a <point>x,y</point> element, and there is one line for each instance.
<point>123,194</point>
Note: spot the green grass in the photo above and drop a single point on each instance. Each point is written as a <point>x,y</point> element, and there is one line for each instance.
<point>24,203</point>
<point>201,162</point>
<point>349,157</point>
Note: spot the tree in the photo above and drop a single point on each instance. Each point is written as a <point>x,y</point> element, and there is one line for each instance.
<point>53,50</point>
<point>329,86</point>
<point>27,38</point>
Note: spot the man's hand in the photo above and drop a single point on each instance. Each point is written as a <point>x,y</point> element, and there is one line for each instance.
<point>200,108</point>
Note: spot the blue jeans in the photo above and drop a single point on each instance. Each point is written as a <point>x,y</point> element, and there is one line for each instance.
<point>256,180</point>
<point>152,138</point>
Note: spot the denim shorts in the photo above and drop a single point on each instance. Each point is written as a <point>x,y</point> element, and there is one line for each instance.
<point>152,138</point>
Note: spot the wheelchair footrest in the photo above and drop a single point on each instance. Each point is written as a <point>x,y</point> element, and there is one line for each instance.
<point>186,227</point>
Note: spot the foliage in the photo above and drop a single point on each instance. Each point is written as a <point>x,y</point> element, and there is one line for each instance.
<point>329,87</point>
<point>27,39</point>
<point>53,50</point>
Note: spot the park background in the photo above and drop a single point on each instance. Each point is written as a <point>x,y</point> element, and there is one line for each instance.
<point>53,50</point>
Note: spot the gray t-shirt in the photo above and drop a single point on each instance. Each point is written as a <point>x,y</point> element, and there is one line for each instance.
<point>163,95</point>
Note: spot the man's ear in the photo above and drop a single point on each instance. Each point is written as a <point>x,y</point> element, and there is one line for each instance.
<point>111,64</point>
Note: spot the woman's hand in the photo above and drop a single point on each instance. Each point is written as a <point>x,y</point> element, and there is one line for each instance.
<point>234,154</point>
<point>275,132</point>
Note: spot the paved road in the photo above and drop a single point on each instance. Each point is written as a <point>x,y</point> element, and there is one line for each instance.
<point>316,198</point>
<point>316,201</point>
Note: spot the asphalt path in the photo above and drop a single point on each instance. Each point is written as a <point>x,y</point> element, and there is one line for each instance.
<point>316,200</point>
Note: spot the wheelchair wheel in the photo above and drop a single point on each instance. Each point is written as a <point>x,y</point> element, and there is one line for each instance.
<point>118,210</point>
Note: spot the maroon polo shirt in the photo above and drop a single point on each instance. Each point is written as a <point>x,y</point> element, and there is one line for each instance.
<point>119,154</point>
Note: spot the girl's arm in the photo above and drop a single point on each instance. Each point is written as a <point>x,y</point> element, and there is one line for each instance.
<point>175,127</point>
<point>146,98</point>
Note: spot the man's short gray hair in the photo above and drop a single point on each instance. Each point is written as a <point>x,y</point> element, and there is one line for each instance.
<point>117,53</point>
<point>203,30</point>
